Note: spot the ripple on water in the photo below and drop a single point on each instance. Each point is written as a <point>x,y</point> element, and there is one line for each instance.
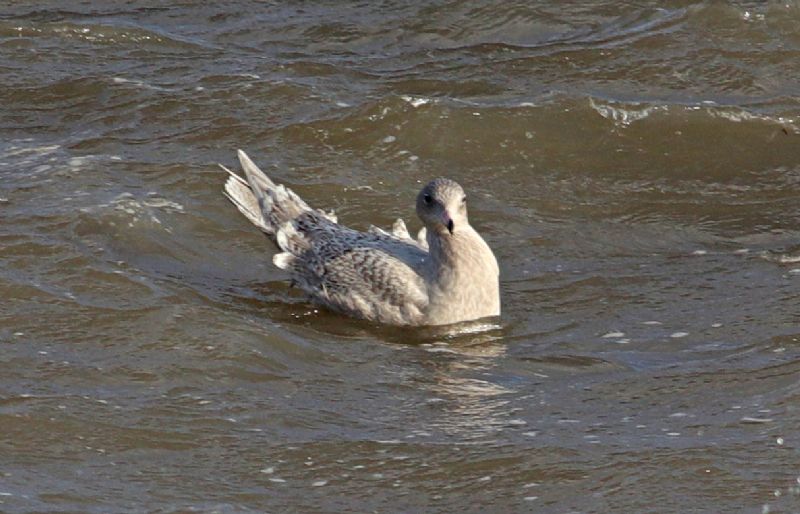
<point>636,174</point>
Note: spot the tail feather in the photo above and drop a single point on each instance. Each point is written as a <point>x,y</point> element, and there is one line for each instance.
<point>271,207</point>
<point>258,179</point>
<point>290,240</point>
<point>239,193</point>
<point>278,204</point>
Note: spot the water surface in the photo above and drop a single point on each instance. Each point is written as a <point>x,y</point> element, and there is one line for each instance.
<point>635,166</point>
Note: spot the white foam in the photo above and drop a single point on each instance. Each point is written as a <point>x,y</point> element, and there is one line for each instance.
<point>472,328</point>
<point>440,349</point>
<point>14,151</point>
<point>416,101</point>
<point>624,116</point>
<point>738,116</point>
<point>750,419</point>
<point>137,83</point>
<point>139,209</point>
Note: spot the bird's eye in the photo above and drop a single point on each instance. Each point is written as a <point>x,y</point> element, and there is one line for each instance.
<point>464,199</point>
<point>427,199</point>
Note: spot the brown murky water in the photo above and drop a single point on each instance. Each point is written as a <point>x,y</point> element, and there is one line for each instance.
<point>635,166</point>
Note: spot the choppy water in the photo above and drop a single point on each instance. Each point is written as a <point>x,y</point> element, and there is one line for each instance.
<point>635,166</point>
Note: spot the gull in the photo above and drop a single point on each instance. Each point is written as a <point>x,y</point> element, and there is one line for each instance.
<point>448,274</point>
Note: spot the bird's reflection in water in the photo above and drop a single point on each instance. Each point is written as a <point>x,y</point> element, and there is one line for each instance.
<point>467,401</point>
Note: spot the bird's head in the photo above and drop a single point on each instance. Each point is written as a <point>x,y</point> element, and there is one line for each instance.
<point>442,206</point>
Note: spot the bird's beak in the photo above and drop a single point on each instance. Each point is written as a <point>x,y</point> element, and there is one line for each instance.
<point>447,221</point>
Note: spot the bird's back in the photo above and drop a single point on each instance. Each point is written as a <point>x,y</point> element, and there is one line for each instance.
<point>370,275</point>
<point>362,274</point>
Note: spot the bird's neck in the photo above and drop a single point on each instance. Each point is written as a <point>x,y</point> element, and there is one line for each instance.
<point>448,250</point>
<point>464,276</point>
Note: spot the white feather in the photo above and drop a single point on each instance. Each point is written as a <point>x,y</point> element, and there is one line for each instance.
<point>283,260</point>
